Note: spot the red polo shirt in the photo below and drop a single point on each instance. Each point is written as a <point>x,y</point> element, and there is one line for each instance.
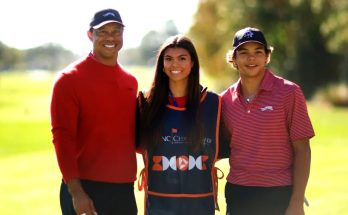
<point>262,131</point>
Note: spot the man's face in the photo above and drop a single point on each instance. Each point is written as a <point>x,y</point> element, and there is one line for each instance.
<point>107,41</point>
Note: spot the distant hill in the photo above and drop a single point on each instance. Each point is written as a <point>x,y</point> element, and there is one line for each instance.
<point>51,57</point>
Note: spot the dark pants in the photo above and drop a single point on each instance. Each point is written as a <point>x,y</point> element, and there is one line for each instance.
<point>245,200</point>
<point>108,198</point>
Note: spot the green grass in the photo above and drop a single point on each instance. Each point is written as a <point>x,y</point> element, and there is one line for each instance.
<point>30,178</point>
<point>327,189</point>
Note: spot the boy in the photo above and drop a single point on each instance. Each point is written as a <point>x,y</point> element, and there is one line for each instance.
<point>267,121</point>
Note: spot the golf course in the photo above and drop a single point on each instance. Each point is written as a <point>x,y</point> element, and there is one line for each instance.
<point>30,177</point>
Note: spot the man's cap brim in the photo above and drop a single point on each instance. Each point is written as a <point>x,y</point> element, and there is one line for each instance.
<point>106,22</point>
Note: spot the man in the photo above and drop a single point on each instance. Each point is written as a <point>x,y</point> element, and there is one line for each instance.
<point>269,127</point>
<point>93,125</point>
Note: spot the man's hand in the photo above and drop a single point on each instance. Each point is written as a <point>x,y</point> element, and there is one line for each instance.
<point>83,204</point>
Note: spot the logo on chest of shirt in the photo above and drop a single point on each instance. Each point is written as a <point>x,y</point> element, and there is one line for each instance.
<point>174,138</point>
<point>179,163</point>
<point>267,108</point>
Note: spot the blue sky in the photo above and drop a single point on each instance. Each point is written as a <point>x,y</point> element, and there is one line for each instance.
<point>31,23</point>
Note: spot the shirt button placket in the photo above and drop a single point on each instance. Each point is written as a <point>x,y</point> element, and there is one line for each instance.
<point>248,108</point>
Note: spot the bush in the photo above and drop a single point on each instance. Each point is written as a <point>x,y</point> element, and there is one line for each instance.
<point>334,94</point>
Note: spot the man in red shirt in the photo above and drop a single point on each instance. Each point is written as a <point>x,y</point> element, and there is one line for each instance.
<point>267,122</point>
<point>93,125</point>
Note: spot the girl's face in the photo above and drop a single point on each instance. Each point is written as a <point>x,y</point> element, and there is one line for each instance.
<point>251,60</point>
<point>177,64</point>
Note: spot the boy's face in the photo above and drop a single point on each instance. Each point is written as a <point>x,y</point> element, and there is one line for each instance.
<point>250,59</point>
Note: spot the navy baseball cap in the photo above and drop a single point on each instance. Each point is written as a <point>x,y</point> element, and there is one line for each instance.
<point>104,17</point>
<point>249,34</point>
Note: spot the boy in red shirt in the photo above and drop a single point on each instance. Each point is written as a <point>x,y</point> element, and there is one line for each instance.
<point>269,129</point>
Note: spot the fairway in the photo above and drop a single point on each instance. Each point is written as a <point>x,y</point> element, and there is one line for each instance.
<point>30,177</point>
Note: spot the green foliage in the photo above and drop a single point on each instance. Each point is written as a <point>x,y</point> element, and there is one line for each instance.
<point>336,94</point>
<point>212,38</point>
<point>310,37</point>
<point>335,30</point>
<point>49,57</point>
<point>10,58</point>
<point>146,53</point>
<point>335,27</point>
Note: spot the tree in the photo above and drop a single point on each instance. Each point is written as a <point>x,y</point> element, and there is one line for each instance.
<point>145,54</point>
<point>212,33</point>
<point>51,57</point>
<point>10,58</point>
<point>335,29</point>
<point>300,31</point>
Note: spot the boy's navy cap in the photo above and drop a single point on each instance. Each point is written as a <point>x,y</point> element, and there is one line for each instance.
<point>104,17</point>
<point>248,34</point>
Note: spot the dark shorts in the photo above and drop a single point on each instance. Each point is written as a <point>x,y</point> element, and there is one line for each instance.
<point>108,198</point>
<point>245,200</point>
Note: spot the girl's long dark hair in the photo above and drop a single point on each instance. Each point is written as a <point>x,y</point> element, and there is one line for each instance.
<point>152,109</point>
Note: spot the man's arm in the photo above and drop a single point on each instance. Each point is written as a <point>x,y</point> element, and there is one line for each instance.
<point>81,201</point>
<point>224,141</point>
<point>301,169</point>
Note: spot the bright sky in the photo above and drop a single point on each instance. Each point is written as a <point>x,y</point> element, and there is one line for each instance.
<point>31,23</point>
